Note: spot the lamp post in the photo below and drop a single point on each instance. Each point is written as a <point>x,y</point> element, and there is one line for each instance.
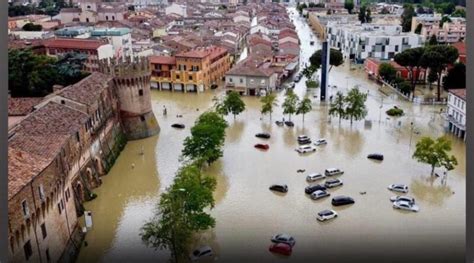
<point>411,132</point>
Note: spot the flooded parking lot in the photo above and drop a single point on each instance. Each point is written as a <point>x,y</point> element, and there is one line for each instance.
<point>248,214</point>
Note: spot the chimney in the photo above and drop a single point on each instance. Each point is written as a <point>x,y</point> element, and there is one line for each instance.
<point>57,88</point>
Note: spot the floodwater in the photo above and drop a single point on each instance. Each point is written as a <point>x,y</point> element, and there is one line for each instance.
<point>248,214</point>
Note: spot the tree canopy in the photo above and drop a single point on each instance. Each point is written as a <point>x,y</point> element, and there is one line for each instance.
<point>411,60</point>
<point>387,71</point>
<point>456,77</point>
<point>349,5</point>
<point>269,101</point>
<point>232,103</point>
<point>290,104</point>
<point>337,107</point>
<point>435,153</point>
<point>335,59</point>
<point>355,105</point>
<point>304,106</point>
<point>407,15</point>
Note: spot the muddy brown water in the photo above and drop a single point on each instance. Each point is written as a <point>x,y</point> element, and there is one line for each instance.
<point>248,214</point>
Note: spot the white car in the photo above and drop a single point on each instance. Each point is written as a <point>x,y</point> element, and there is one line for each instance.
<point>326,215</point>
<point>333,171</point>
<point>305,149</point>
<point>314,177</point>
<point>318,194</point>
<point>303,138</point>
<point>333,183</point>
<point>405,206</point>
<point>320,142</point>
<point>201,252</point>
<point>398,188</point>
<point>408,199</point>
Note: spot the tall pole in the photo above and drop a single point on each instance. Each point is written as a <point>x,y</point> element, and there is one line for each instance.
<point>324,69</point>
<point>411,132</point>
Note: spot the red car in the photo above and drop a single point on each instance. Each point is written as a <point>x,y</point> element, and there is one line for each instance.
<point>262,146</point>
<point>281,248</point>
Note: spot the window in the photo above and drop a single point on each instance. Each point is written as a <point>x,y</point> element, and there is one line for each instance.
<point>59,208</point>
<point>177,76</point>
<point>41,192</point>
<point>43,231</point>
<point>106,17</point>
<point>63,102</point>
<point>26,210</point>
<point>67,194</point>
<point>241,80</point>
<point>396,48</point>
<point>190,77</point>
<point>142,118</point>
<point>230,80</point>
<point>113,17</point>
<point>140,92</point>
<point>28,250</point>
<point>62,204</point>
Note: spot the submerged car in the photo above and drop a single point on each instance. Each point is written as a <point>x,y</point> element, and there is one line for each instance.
<point>281,248</point>
<point>320,142</point>
<point>375,156</point>
<point>333,171</point>
<point>297,78</point>
<point>303,139</point>
<point>201,252</point>
<point>398,188</point>
<point>405,206</point>
<point>314,177</point>
<point>282,188</point>
<point>279,123</point>
<point>313,188</point>
<point>342,200</point>
<point>262,146</point>
<point>284,238</point>
<point>178,125</point>
<point>263,135</point>
<point>326,215</point>
<point>305,149</point>
<point>289,123</point>
<point>318,194</point>
<point>333,183</point>
<point>404,198</point>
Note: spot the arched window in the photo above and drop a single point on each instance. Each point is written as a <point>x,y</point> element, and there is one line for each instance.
<point>107,18</point>
<point>113,17</point>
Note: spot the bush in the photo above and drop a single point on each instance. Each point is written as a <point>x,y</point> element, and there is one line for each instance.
<point>404,87</point>
<point>312,84</point>
<point>394,112</point>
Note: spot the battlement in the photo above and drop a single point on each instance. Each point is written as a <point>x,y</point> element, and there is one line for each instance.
<point>126,67</point>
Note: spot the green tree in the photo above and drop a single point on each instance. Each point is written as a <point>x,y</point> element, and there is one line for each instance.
<point>70,67</point>
<point>268,102</point>
<point>290,103</point>
<point>434,153</point>
<point>362,14</point>
<point>407,15</point>
<point>349,5</point>
<point>433,41</point>
<point>304,106</point>
<point>432,77</point>
<point>437,58</point>
<point>418,29</point>
<point>459,13</point>
<point>443,20</point>
<point>32,27</point>
<point>338,106</point>
<point>456,77</point>
<point>387,72</point>
<point>207,138</point>
<point>180,212</point>
<point>335,59</point>
<point>301,7</point>
<point>232,104</point>
<point>355,105</point>
<point>411,60</point>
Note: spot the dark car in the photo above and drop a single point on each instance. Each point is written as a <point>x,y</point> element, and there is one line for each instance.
<point>375,156</point>
<point>342,200</point>
<point>282,188</point>
<point>297,78</point>
<point>279,123</point>
<point>289,123</point>
<point>313,188</point>
<point>263,135</point>
<point>304,141</point>
<point>178,126</point>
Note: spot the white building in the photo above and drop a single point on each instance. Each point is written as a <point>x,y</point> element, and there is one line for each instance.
<point>176,9</point>
<point>119,38</point>
<point>370,40</point>
<point>457,112</point>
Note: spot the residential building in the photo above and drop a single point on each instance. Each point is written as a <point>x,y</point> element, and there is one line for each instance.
<point>177,9</point>
<point>461,47</point>
<point>359,42</point>
<point>457,112</point>
<point>95,49</point>
<point>250,77</point>
<point>93,11</point>
<point>161,67</point>
<point>371,66</point>
<point>119,38</point>
<point>450,32</point>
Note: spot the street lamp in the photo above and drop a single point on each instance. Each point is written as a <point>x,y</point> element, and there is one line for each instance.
<point>380,109</point>
<point>411,132</point>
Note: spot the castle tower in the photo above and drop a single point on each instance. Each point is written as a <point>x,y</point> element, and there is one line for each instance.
<point>132,87</point>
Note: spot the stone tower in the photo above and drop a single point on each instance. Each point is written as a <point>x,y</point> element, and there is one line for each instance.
<point>132,88</point>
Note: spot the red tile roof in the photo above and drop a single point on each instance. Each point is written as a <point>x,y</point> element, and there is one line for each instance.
<point>88,90</point>
<point>167,60</point>
<point>22,106</point>
<point>461,47</point>
<point>461,93</point>
<point>74,43</point>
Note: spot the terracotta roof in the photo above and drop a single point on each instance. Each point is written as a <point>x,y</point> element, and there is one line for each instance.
<point>461,93</point>
<point>88,90</point>
<point>22,168</point>
<point>163,60</point>
<point>74,43</point>
<point>70,10</point>
<point>250,67</point>
<point>22,106</point>
<point>461,47</point>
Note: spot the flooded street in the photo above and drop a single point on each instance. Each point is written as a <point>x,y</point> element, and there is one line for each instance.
<point>248,214</point>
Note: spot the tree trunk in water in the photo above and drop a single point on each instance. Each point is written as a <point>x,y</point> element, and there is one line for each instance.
<point>432,170</point>
<point>303,118</point>
<point>439,86</point>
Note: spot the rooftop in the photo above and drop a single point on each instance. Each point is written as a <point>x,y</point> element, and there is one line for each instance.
<point>90,44</point>
<point>461,93</point>
<point>88,89</point>
<point>162,60</point>
<point>22,106</point>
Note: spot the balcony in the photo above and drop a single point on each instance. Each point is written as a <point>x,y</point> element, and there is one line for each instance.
<point>453,120</point>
